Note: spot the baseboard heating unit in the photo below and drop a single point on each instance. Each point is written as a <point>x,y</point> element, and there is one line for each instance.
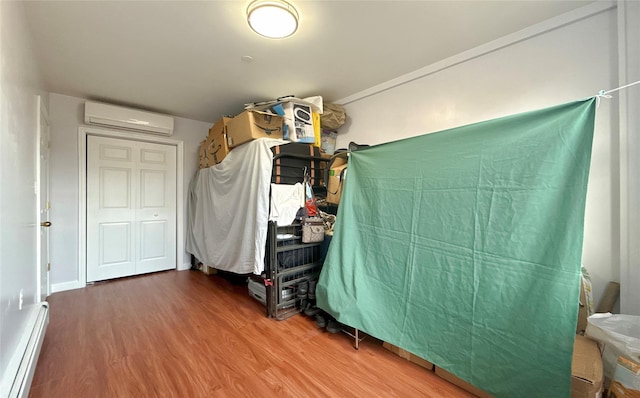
<point>17,380</point>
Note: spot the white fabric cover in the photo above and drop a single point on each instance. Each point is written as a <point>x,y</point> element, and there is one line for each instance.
<point>286,200</point>
<point>228,209</point>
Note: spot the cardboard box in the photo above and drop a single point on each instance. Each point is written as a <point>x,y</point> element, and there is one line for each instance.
<point>626,380</point>
<point>583,313</point>
<point>337,175</point>
<point>214,148</point>
<point>408,356</point>
<point>586,369</point>
<point>251,125</point>
<point>453,379</point>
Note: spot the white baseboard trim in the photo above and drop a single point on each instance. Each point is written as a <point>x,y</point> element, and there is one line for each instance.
<point>71,285</point>
<point>61,287</point>
<point>16,382</point>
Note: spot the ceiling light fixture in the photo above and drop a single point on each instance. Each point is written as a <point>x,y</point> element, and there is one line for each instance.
<point>275,19</point>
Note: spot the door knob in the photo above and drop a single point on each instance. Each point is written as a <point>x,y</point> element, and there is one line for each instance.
<point>46,224</point>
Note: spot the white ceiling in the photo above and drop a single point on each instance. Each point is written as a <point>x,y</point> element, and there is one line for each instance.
<point>184,57</point>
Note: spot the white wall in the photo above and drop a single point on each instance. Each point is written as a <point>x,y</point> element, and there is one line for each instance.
<point>66,114</point>
<point>564,64</point>
<point>19,83</point>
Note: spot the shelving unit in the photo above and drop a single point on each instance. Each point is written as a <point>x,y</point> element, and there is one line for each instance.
<point>288,262</point>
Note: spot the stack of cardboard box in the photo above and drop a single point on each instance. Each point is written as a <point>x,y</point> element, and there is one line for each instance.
<point>229,132</point>
<point>214,148</point>
<point>586,370</point>
<point>251,125</point>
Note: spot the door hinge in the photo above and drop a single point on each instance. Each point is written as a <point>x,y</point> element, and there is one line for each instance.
<point>48,207</point>
<point>48,266</point>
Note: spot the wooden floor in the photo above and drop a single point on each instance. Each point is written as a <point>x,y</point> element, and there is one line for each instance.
<point>185,334</point>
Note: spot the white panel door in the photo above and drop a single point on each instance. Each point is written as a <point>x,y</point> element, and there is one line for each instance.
<point>156,208</point>
<point>131,207</point>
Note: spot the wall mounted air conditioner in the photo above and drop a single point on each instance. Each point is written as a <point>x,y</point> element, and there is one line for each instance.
<point>127,118</point>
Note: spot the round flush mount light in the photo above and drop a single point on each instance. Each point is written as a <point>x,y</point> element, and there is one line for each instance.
<point>275,19</point>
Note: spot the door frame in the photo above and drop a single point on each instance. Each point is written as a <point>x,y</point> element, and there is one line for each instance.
<point>629,152</point>
<point>41,113</point>
<point>83,132</point>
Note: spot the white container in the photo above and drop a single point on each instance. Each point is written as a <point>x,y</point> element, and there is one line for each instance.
<point>299,122</point>
<point>620,335</point>
<point>258,291</point>
<point>328,141</point>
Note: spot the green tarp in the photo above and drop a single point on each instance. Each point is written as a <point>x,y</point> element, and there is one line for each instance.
<point>464,247</point>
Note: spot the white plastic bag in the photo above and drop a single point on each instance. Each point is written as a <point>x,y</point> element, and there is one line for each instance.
<point>620,335</point>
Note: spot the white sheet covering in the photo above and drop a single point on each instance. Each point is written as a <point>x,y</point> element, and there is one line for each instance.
<point>228,209</point>
<point>286,200</point>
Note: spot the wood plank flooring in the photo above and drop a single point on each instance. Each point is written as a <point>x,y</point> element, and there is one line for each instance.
<point>186,334</point>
